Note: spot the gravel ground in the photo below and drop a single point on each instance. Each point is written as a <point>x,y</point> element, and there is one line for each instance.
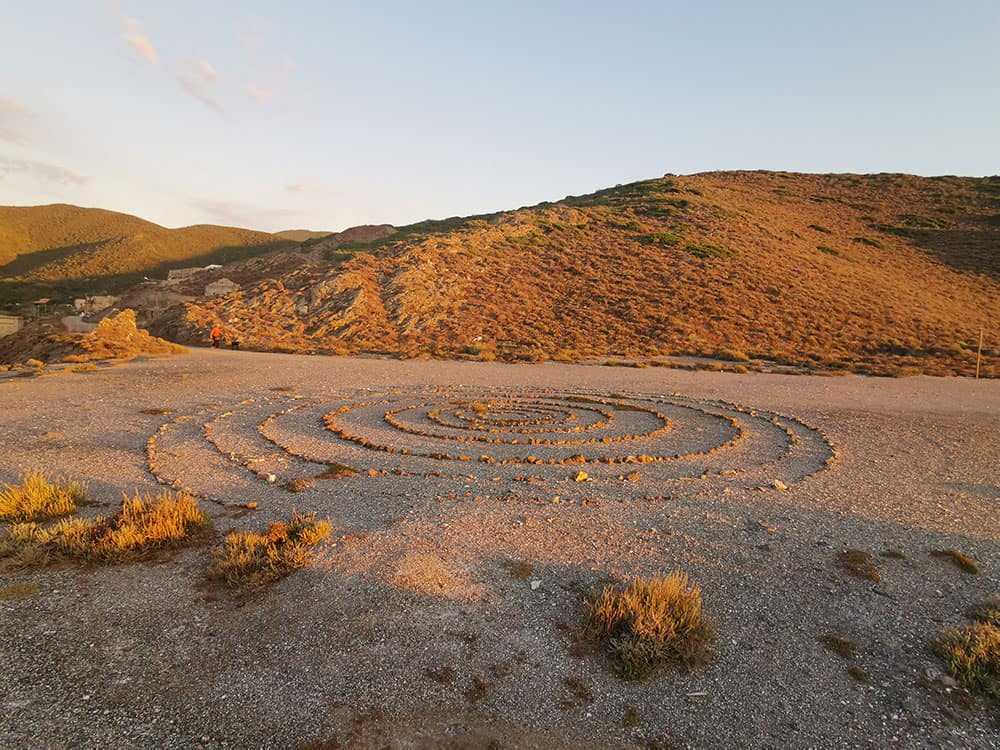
<point>751,483</point>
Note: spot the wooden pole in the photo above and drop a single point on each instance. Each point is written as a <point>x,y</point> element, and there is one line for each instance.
<point>979,353</point>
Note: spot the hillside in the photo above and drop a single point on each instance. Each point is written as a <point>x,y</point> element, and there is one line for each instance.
<point>878,273</point>
<point>64,249</point>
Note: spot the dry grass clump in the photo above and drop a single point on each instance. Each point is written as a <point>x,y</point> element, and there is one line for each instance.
<point>36,498</point>
<point>859,563</point>
<point>972,654</point>
<point>988,612</point>
<point>960,559</point>
<point>18,591</point>
<point>337,471</point>
<point>250,560</point>
<point>143,526</point>
<point>838,645</point>
<point>519,569</point>
<point>651,621</point>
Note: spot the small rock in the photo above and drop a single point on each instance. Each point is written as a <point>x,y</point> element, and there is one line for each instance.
<point>581,476</point>
<point>271,479</point>
<point>779,485</point>
<point>535,584</point>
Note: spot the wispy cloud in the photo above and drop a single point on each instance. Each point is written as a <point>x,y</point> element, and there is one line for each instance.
<point>241,214</point>
<point>206,70</point>
<point>135,35</point>
<point>273,82</point>
<point>40,171</point>
<point>15,122</point>
<point>198,90</point>
<point>296,188</point>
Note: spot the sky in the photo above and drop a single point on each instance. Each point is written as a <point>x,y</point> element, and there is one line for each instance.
<point>326,114</point>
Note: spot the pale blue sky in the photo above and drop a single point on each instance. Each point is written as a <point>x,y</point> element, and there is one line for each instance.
<point>328,114</point>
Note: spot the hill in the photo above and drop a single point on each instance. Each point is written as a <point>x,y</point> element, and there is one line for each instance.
<point>62,249</point>
<point>300,235</point>
<point>875,273</point>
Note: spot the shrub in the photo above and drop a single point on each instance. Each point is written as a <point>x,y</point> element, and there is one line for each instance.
<point>668,239</point>
<point>972,655</point>
<point>859,563</point>
<point>649,622</point>
<point>820,228</point>
<point>249,560</point>
<point>828,250</point>
<point>707,251</point>
<point>867,241</point>
<point>961,560</point>
<point>142,526</point>
<point>36,498</point>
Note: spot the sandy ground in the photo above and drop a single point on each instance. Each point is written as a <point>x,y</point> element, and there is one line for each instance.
<point>416,575</point>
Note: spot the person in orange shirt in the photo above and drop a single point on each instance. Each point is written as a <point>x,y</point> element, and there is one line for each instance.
<point>216,336</point>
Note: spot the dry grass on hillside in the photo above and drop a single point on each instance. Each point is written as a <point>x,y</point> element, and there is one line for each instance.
<point>888,274</point>
<point>62,242</point>
<point>142,527</point>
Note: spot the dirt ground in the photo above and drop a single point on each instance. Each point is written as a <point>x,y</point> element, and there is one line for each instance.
<point>753,484</point>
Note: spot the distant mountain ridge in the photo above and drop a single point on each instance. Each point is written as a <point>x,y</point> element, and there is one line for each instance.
<point>887,273</point>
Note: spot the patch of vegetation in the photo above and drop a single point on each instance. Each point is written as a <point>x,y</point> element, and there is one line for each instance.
<point>442,674</point>
<point>21,590</point>
<point>519,569</point>
<point>838,645</point>
<point>921,221</point>
<point>707,251</point>
<point>667,239</point>
<point>972,655</point>
<point>859,563</point>
<point>250,561</point>
<point>988,612</point>
<point>649,622</point>
<point>300,484</point>
<point>337,471</point>
<point>36,499</point>
<point>867,241</point>
<point>732,355</point>
<point>157,412</point>
<point>143,526</point>
<point>893,554</point>
<point>821,228</point>
<point>828,250</point>
<point>477,693</point>
<point>858,674</point>
<point>960,559</point>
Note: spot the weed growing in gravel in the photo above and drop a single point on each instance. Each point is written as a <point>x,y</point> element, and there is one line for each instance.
<point>156,411</point>
<point>36,498</point>
<point>859,675</point>
<point>298,485</point>
<point>988,612</point>
<point>336,471</point>
<point>18,591</point>
<point>477,693</point>
<point>840,646</point>
<point>972,654</point>
<point>441,674</point>
<point>143,526</point>
<point>859,563</point>
<point>249,560</point>
<point>963,561</point>
<point>893,554</point>
<point>651,621</point>
<point>519,569</point>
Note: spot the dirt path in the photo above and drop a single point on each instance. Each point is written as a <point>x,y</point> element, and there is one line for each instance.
<point>751,483</point>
